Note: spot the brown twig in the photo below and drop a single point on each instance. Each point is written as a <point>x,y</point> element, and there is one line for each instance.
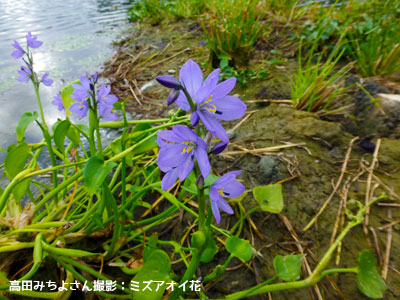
<point>376,242</point>
<point>388,246</point>
<point>294,235</point>
<point>344,167</point>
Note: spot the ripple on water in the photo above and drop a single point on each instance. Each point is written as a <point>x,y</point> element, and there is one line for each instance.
<point>76,35</point>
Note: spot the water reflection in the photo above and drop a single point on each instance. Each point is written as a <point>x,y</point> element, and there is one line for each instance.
<point>76,36</point>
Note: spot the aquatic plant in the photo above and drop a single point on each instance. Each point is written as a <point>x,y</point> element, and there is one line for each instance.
<point>87,227</point>
<point>231,29</point>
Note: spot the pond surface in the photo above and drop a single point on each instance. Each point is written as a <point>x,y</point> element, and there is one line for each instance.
<point>76,35</point>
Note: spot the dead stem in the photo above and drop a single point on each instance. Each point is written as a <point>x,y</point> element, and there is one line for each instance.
<point>294,235</point>
<point>388,246</point>
<point>344,167</point>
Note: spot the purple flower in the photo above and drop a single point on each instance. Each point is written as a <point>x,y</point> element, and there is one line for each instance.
<point>173,96</point>
<point>169,81</point>
<point>212,99</point>
<point>105,112</point>
<point>80,109</point>
<point>225,187</point>
<point>105,102</point>
<point>58,102</point>
<point>179,148</point>
<point>218,148</point>
<point>19,52</point>
<point>104,95</point>
<point>81,91</point>
<point>46,80</point>
<point>32,41</point>
<point>24,74</point>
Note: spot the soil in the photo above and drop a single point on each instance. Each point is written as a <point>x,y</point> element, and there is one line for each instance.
<point>308,170</point>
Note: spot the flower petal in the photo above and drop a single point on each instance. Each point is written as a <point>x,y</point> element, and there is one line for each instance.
<point>184,133</point>
<point>182,102</point>
<point>194,118</point>
<point>203,162</point>
<point>214,126</point>
<point>222,204</point>
<point>234,189</point>
<point>169,179</point>
<point>224,88</point>
<point>170,157</point>
<point>191,77</point>
<point>207,87</point>
<point>229,108</point>
<point>186,168</point>
<point>215,210</point>
<point>169,135</point>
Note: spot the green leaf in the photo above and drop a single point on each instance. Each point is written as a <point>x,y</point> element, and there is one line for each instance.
<point>60,133</point>
<point>209,251</point>
<point>84,128</point>
<point>66,98</point>
<point>20,189</point>
<point>369,282</point>
<point>74,135</point>
<point>23,123</point>
<point>96,172</point>
<point>157,267</point>
<point>239,248</point>
<point>171,198</point>
<point>210,179</point>
<point>288,267</point>
<point>16,159</point>
<point>2,149</point>
<point>146,146</point>
<point>269,197</point>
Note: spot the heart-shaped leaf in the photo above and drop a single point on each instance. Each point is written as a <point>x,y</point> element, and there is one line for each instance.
<point>239,248</point>
<point>60,133</point>
<point>288,267</point>
<point>23,123</point>
<point>96,172</point>
<point>157,267</point>
<point>16,159</point>
<point>269,197</point>
<point>209,251</point>
<point>369,282</point>
<point>66,98</point>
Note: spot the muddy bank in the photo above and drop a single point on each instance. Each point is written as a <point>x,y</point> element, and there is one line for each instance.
<point>318,154</point>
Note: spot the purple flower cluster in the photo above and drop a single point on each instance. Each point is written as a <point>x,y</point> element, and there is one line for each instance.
<point>209,102</point>
<point>26,72</point>
<point>85,91</point>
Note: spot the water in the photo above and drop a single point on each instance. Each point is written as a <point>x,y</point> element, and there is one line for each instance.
<point>76,37</point>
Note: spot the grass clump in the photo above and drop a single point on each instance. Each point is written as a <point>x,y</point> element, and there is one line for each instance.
<point>231,29</point>
<point>153,11</point>
<point>375,45</point>
<point>317,85</point>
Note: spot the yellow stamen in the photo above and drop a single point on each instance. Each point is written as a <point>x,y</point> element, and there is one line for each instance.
<point>214,109</point>
<point>221,192</point>
<point>208,100</point>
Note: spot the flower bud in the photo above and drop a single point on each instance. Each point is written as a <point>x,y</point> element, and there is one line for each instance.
<point>169,81</point>
<point>218,148</point>
<point>173,96</point>
<point>200,181</point>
